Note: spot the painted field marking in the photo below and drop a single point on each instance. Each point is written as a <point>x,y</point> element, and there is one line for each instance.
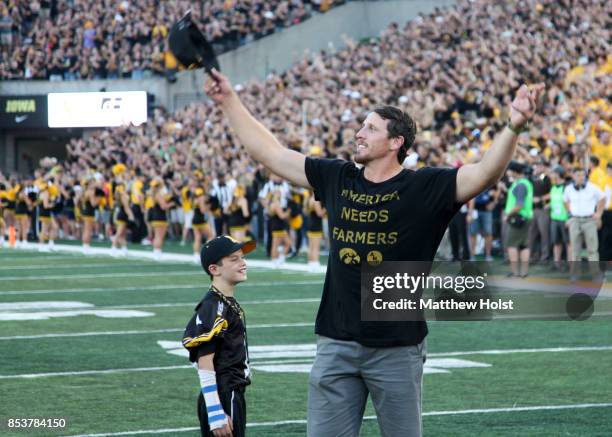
<point>45,310</point>
<point>191,304</point>
<point>303,421</point>
<point>170,257</point>
<point>447,354</point>
<point>148,331</point>
<point>307,352</point>
<point>76,266</point>
<point>100,275</point>
<point>155,287</point>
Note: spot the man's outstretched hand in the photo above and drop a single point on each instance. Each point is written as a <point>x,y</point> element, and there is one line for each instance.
<point>525,103</point>
<point>218,87</point>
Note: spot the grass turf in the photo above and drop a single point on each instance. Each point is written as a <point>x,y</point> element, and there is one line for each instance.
<point>165,398</point>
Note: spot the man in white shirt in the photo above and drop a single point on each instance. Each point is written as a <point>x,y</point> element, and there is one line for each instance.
<point>223,189</point>
<point>585,203</point>
<point>276,183</point>
<point>605,233</point>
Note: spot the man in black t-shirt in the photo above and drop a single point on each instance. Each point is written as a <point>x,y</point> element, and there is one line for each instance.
<point>377,212</point>
<point>539,228</point>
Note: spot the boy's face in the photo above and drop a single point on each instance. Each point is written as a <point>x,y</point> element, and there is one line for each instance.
<point>231,268</point>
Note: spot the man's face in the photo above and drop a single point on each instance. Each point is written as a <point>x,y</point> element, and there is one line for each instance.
<point>372,140</point>
<point>579,177</point>
<point>232,268</point>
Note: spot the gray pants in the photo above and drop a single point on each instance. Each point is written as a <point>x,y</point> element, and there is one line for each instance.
<point>345,372</point>
<point>540,227</point>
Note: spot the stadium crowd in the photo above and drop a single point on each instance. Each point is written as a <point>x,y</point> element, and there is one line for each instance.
<point>78,39</point>
<point>454,71</point>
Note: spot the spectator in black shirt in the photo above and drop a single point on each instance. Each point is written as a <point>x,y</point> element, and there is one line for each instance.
<point>539,228</point>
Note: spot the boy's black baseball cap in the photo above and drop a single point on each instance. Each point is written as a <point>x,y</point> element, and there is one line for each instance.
<point>220,247</point>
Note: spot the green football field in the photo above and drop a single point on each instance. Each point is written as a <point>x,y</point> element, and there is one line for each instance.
<point>95,340</point>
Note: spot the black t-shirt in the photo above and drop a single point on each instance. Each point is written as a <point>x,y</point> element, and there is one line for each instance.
<point>541,187</point>
<point>217,328</point>
<point>401,219</point>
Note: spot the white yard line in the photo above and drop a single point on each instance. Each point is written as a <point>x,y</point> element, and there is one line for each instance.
<point>92,372</point>
<point>35,257</point>
<point>521,351</point>
<point>63,266</point>
<point>172,257</point>
<point>148,331</point>
<point>155,287</point>
<point>100,275</point>
<point>146,369</point>
<point>303,421</point>
<point>189,304</point>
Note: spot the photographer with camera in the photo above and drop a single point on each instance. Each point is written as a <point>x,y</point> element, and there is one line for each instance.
<point>518,215</point>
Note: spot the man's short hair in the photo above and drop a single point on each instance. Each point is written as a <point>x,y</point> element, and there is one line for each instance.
<point>595,161</point>
<point>400,125</point>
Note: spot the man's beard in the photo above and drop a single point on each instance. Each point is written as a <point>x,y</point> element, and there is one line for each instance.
<point>359,159</point>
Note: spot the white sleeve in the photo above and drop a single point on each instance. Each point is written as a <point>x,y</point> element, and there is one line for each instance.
<point>597,193</point>
<point>264,191</point>
<point>566,197</point>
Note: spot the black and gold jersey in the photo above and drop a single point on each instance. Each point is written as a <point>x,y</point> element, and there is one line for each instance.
<point>315,223</point>
<point>218,326</point>
<point>236,218</point>
<point>87,209</point>
<point>3,199</point>
<point>200,218</point>
<point>21,205</point>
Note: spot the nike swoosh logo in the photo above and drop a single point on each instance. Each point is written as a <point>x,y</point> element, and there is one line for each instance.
<point>20,118</point>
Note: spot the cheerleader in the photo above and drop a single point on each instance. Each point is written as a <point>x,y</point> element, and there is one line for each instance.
<point>48,224</point>
<point>9,203</point>
<point>88,203</point>
<point>316,213</point>
<point>201,228</point>
<point>122,216</point>
<point>238,214</point>
<point>68,216</point>
<point>281,243</point>
<point>2,206</point>
<point>162,203</point>
<point>23,206</point>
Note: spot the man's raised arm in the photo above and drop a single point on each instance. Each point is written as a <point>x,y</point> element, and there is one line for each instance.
<point>473,179</point>
<point>259,142</point>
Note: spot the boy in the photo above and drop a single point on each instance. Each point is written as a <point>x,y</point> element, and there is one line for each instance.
<point>217,341</point>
